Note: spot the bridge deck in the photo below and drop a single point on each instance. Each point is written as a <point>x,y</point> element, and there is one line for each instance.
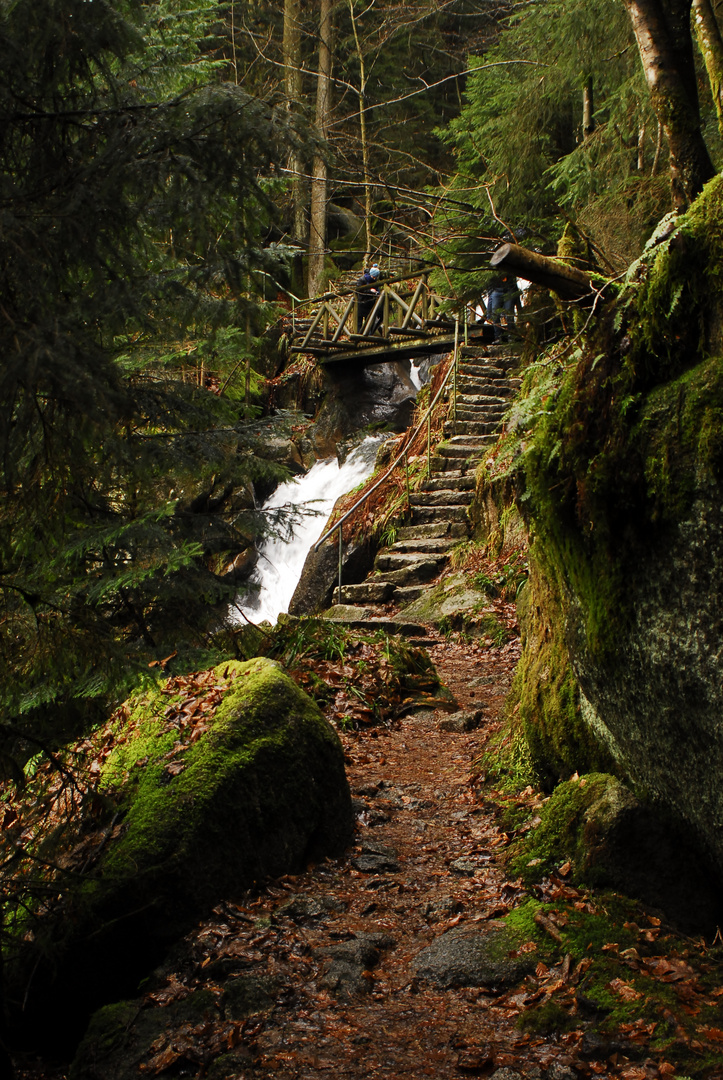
<point>386,350</point>
<point>375,324</point>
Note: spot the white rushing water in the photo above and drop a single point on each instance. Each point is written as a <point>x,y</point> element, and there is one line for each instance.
<point>281,559</point>
<point>414,369</point>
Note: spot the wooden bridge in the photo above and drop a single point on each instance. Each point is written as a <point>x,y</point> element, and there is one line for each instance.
<point>395,319</point>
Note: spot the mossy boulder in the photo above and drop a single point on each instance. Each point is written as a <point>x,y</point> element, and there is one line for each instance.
<point>614,840</point>
<point>259,792</point>
<point>130,1038</point>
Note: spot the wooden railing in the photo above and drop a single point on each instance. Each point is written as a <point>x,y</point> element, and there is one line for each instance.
<point>332,322</point>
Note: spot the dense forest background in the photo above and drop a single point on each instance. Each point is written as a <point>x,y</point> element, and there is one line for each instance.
<point>175,176</point>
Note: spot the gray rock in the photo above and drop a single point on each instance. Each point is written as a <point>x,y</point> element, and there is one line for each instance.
<point>462,721</point>
<point>321,572</point>
<point>561,1072</point>
<point>375,864</point>
<point>506,1074</point>
<point>379,395</point>
<point>472,957</point>
<point>349,962</point>
<point>464,867</point>
<point>309,907</point>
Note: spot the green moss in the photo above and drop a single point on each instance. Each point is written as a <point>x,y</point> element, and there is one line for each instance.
<point>109,1026</point>
<point>560,836</point>
<point>260,727</point>
<point>544,704</point>
<point>546,1019</point>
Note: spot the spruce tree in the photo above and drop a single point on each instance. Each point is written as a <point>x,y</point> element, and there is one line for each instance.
<point>135,213</point>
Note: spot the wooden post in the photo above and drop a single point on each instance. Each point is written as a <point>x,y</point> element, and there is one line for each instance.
<point>406,466</point>
<point>454,374</point>
<point>385,317</point>
<point>429,445</point>
<point>340,556</point>
<point>568,282</point>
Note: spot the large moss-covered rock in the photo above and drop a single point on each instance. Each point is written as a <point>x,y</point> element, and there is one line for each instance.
<point>261,791</point>
<point>612,839</point>
<point>617,455</point>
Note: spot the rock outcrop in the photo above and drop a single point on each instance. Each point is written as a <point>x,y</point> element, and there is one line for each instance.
<point>617,464</point>
<point>255,789</point>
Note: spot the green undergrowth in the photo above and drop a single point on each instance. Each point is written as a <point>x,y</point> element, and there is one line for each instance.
<point>357,678</point>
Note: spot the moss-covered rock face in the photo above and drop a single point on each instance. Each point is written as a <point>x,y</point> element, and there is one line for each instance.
<point>609,838</point>
<point>259,792</point>
<point>617,455</point>
<point>545,704</point>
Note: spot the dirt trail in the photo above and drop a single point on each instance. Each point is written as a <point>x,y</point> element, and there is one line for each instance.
<point>339,940</point>
<point>315,976</point>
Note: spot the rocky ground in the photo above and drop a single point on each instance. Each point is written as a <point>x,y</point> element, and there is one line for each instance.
<point>394,961</point>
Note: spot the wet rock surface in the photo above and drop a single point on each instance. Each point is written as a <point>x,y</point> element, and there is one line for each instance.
<point>472,957</point>
<point>378,395</point>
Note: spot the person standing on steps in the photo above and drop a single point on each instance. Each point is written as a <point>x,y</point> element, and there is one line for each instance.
<point>367,296</point>
<point>503,298</point>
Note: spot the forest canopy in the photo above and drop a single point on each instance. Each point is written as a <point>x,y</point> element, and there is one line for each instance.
<point>173,177</point>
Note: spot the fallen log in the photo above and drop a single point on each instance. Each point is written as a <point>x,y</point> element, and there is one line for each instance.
<point>566,281</point>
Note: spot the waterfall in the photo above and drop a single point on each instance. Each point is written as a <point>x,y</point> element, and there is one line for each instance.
<point>414,368</point>
<point>281,558</point>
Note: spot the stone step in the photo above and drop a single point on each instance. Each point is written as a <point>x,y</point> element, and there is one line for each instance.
<point>484,371</point>
<point>440,465</point>
<point>368,592</point>
<point>471,442</point>
<point>449,482</point>
<point>435,529</point>
<point>466,452</point>
<point>416,570</point>
<point>388,562</point>
<point>423,515</point>
<point>431,546</point>
<point>445,497</point>
<point>473,396</point>
<point>360,618</point>
<point>472,427</point>
<point>405,594</point>
<point>472,412</point>
<point>491,371</point>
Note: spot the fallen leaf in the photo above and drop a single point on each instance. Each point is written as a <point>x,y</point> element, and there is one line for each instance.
<point>624,990</point>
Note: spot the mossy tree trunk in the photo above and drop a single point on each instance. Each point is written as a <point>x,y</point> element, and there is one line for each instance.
<point>317,230</point>
<point>710,41</point>
<point>663,33</point>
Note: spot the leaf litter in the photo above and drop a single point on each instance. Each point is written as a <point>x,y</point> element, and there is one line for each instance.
<point>332,946</point>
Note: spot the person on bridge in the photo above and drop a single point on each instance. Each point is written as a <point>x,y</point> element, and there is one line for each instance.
<point>367,296</point>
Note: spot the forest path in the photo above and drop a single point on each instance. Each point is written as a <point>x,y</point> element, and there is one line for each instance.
<point>317,974</point>
<point>334,946</point>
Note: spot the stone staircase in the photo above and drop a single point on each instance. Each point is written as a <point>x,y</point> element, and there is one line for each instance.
<point>421,551</point>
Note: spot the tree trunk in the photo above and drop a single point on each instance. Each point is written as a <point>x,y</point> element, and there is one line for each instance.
<point>711,46</point>
<point>364,141</point>
<point>566,281</point>
<point>662,31</point>
<point>293,89</point>
<point>588,109</point>
<point>317,225</point>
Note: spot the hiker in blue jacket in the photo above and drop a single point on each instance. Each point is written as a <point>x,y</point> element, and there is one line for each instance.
<point>367,297</point>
